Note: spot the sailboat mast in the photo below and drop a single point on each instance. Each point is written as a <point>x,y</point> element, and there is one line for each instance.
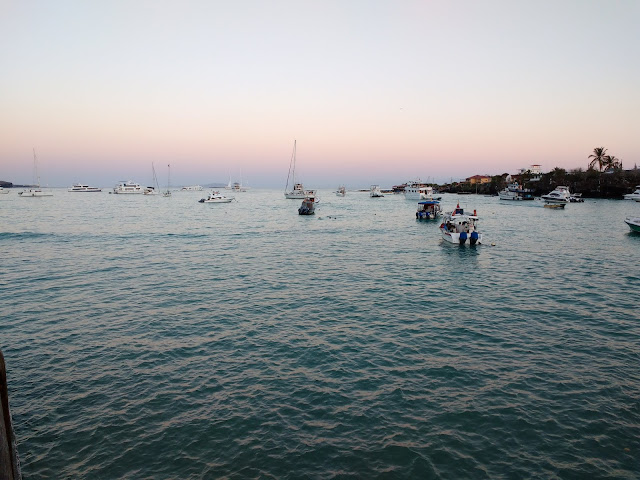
<point>292,163</point>
<point>36,178</point>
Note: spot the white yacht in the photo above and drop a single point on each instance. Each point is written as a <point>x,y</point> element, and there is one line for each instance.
<point>458,227</point>
<point>515,192</point>
<point>561,194</point>
<point>197,188</point>
<point>216,197</point>
<point>375,192</point>
<point>79,187</point>
<point>415,191</point>
<point>298,191</point>
<point>128,188</point>
<point>35,190</point>
<point>635,195</point>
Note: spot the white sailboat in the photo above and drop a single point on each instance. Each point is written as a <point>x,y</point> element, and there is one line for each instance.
<point>35,190</point>
<point>155,189</point>
<point>298,191</point>
<point>168,192</point>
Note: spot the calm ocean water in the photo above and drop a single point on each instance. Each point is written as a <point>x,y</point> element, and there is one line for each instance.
<point>162,338</point>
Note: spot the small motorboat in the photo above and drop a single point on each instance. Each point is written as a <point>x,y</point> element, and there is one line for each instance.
<point>458,227</point>
<point>375,192</point>
<point>216,197</point>
<point>634,223</point>
<point>428,210</point>
<point>341,192</point>
<point>308,206</point>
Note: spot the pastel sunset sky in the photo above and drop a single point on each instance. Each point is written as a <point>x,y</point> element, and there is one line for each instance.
<point>373,91</point>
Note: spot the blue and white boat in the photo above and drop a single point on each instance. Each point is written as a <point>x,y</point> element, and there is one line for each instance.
<point>458,227</point>
<point>428,210</point>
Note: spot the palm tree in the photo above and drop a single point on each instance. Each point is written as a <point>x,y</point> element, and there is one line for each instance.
<point>613,162</point>
<point>599,157</point>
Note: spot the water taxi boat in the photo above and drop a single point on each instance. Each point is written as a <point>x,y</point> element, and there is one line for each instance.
<point>307,207</point>
<point>458,227</point>
<point>428,210</point>
<point>216,197</point>
<point>560,194</point>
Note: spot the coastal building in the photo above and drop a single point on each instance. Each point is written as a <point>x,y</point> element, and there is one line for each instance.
<point>479,179</point>
<point>534,170</point>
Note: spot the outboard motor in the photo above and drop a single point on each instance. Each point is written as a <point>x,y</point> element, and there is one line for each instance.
<point>474,238</point>
<point>463,238</point>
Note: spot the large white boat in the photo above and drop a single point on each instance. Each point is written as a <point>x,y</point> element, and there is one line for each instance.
<point>375,192</point>
<point>216,197</point>
<point>193,188</point>
<point>560,194</point>
<point>428,210</point>
<point>458,227</point>
<point>298,191</point>
<point>129,188</point>
<point>416,191</point>
<point>35,190</point>
<point>515,192</point>
<point>79,187</point>
<point>635,195</point>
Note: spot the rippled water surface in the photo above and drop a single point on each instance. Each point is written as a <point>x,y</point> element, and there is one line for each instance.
<point>162,338</point>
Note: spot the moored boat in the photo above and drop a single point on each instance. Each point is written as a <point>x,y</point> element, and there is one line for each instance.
<point>129,188</point>
<point>190,188</point>
<point>35,190</point>
<point>515,192</point>
<point>341,192</point>
<point>458,227</point>
<point>634,223</point>
<point>375,192</point>
<point>428,210</point>
<point>216,197</point>
<point>79,187</point>
<point>298,192</point>
<point>635,195</point>
<point>3,190</point>
<point>416,191</point>
<point>307,207</point>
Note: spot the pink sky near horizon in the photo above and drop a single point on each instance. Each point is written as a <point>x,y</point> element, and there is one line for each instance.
<point>373,92</point>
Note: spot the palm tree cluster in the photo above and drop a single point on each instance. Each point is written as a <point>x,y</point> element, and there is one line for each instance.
<point>604,161</point>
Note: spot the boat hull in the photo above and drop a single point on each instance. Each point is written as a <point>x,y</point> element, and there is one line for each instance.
<point>461,238</point>
<point>634,224</point>
<point>35,193</point>
<point>218,200</point>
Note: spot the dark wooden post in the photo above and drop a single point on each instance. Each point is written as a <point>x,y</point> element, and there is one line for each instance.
<point>9,464</point>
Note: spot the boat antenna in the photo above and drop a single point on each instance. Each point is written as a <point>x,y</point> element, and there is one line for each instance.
<point>292,163</point>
